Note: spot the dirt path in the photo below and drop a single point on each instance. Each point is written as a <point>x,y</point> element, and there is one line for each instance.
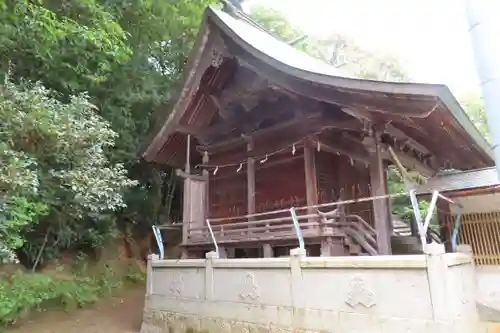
<point>117,315</point>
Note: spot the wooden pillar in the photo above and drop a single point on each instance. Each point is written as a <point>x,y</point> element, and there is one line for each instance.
<point>250,181</point>
<point>186,202</point>
<point>268,251</point>
<point>186,208</point>
<point>310,176</point>
<point>378,188</point>
<point>188,155</point>
<point>267,248</point>
<point>445,228</point>
<point>390,226</point>
<point>206,175</point>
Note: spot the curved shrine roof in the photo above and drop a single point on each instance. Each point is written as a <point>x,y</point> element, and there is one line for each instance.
<point>426,113</point>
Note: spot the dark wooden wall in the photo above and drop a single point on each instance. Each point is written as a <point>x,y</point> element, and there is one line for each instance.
<point>327,175</point>
<point>339,177</point>
<point>355,184</point>
<point>280,184</point>
<point>227,188</point>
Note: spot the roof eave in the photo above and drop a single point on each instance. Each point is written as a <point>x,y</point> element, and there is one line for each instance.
<point>464,121</point>
<point>154,143</point>
<point>164,127</point>
<point>434,90</point>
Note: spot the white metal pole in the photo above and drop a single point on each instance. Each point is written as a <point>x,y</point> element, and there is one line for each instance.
<point>484,31</point>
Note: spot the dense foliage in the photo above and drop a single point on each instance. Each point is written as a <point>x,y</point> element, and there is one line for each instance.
<point>83,79</point>
<point>56,171</point>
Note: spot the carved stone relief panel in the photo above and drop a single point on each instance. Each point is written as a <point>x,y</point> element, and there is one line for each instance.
<point>176,287</point>
<point>250,290</point>
<point>360,294</point>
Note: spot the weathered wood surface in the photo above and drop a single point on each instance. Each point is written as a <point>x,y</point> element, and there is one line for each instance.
<point>261,230</point>
<point>277,183</point>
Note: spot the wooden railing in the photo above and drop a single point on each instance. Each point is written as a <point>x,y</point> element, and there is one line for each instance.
<point>266,229</point>
<point>355,228</point>
<point>260,228</point>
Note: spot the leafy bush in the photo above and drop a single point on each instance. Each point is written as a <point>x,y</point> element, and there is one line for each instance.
<point>54,172</point>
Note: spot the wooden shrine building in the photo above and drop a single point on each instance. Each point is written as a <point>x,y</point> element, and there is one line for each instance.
<point>258,127</point>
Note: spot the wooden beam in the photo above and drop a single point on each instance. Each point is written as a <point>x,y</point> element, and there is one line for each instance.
<point>383,104</point>
<point>236,123</point>
<point>349,146</point>
<point>259,166</point>
<point>377,182</point>
<point>310,176</point>
<point>221,109</point>
<point>204,135</point>
<point>409,162</point>
<point>185,175</point>
<point>402,137</point>
<point>339,144</point>
<point>232,143</point>
<point>311,124</point>
<point>358,113</point>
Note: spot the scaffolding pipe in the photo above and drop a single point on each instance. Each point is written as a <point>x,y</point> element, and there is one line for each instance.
<point>159,241</point>
<point>430,212</point>
<point>296,225</point>
<point>418,218</point>
<point>484,31</point>
<point>213,237</point>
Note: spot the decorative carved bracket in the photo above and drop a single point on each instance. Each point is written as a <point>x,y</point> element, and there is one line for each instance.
<point>217,58</point>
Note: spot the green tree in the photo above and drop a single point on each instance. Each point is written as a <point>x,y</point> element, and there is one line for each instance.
<point>473,105</point>
<point>70,47</point>
<point>138,89</point>
<point>339,51</point>
<point>275,23</point>
<point>127,56</point>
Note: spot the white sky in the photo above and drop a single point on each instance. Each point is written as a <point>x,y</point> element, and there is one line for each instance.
<point>428,37</point>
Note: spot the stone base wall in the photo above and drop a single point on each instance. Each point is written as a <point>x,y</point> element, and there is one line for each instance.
<point>303,321</point>
<point>392,294</point>
<point>488,282</point>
